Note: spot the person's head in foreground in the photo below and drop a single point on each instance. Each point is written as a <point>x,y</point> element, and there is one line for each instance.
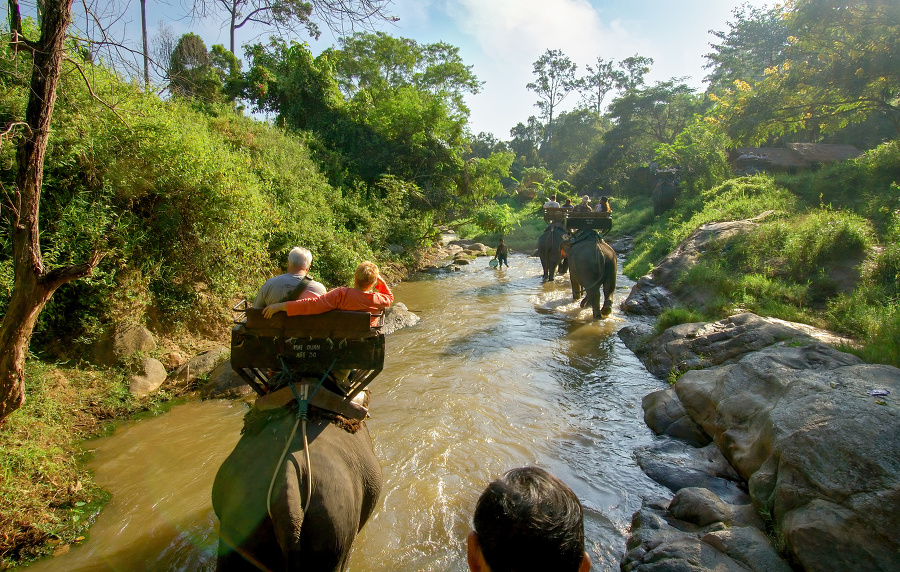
<point>366,275</point>
<point>528,520</point>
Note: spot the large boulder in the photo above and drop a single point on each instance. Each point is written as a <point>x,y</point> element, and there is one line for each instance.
<point>820,453</point>
<point>148,375</point>
<point>225,383</point>
<point>676,465</point>
<point>200,366</point>
<point>648,298</point>
<point>665,415</point>
<point>660,542</point>
<point>398,316</point>
<point>699,345</point>
<point>120,342</point>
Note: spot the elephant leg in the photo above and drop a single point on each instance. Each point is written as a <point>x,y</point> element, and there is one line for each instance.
<point>609,286</point>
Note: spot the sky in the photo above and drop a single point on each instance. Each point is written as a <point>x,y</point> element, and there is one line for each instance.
<point>501,39</point>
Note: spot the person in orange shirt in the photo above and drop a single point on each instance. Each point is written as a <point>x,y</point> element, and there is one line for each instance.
<point>357,299</point>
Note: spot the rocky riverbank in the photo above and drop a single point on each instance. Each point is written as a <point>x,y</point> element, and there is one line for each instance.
<point>781,451</point>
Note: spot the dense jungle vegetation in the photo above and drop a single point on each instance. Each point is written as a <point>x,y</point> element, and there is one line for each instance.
<point>194,201</point>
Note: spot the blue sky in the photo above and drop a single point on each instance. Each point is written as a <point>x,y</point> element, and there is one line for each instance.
<point>502,38</point>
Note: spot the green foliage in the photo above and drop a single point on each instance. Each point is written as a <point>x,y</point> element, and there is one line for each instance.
<point>193,211</point>
<point>838,68</point>
<point>735,199</point>
<point>190,71</point>
<point>700,152</point>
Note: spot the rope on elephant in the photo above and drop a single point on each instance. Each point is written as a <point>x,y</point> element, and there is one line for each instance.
<point>256,420</point>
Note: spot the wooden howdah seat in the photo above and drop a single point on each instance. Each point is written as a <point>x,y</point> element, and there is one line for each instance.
<point>576,221</point>
<point>308,346</point>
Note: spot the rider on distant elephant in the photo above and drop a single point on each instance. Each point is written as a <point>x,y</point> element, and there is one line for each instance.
<point>585,206</point>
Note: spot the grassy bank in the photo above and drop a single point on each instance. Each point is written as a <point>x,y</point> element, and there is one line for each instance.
<point>828,255</point>
<point>48,498</point>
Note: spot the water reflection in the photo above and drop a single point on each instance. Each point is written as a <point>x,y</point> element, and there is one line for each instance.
<point>501,371</point>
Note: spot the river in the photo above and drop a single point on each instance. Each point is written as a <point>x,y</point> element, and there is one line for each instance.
<point>502,371</point>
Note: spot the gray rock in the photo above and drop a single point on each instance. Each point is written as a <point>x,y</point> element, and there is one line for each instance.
<point>120,342</point>
<point>699,345</point>
<point>748,546</point>
<point>665,415</point>
<point>398,316</point>
<point>199,366</point>
<point>635,335</point>
<point>149,374</point>
<point>461,261</point>
<point>469,245</point>
<point>677,465</point>
<point>820,454</point>
<point>648,298</point>
<point>225,383</point>
<point>700,506</point>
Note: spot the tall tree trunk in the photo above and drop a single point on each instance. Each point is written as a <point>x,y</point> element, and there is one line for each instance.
<point>33,284</point>
<point>146,49</point>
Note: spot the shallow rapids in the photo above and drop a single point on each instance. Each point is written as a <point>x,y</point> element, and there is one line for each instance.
<point>502,371</point>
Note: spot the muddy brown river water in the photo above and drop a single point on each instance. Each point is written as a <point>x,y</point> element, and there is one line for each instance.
<point>502,371</point>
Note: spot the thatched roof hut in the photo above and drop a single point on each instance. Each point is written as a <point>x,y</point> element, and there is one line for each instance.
<point>821,153</point>
<point>792,158</point>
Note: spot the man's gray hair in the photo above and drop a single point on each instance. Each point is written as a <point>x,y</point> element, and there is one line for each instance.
<point>300,257</point>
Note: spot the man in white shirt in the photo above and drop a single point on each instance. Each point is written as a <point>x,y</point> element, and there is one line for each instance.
<point>551,203</point>
<point>278,289</point>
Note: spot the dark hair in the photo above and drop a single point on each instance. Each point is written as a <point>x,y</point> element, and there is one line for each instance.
<point>530,520</point>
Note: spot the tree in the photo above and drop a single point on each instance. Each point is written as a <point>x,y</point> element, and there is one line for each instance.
<point>641,120</point>
<point>634,69</point>
<point>289,16</point>
<point>840,67</point>
<point>756,41</point>
<point>599,81</point>
<point>375,64</point>
<point>190,72</point>
<point>34,283</point>
<point>555,80</point>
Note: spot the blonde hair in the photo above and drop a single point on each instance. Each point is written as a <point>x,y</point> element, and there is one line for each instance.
<point>366,275</point>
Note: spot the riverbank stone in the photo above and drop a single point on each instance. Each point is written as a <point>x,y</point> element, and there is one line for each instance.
<point>199,366</point>
<point>656,292</point>
<point>821,455</point>
<point>120,342</point>
<point>677,465</point>
<point>665,415</point>
<point>225,383</point>
<point>148,375</point>
<point>698,345</point>
<point>398,316</point>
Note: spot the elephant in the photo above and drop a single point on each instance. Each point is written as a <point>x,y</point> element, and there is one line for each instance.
<point>303,532</point>
<point>549,249</point>
<point>663,196</point>
<point>592,265</point>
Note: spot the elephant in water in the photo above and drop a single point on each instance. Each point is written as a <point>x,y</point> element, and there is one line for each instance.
<point>303,533</point>
<point>593,264</point>
<point>549,249</point>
